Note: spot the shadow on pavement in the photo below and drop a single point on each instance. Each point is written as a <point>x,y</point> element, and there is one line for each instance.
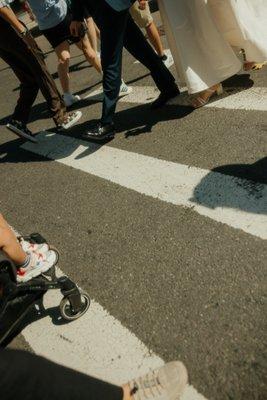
<point>36,312</point>
<point>247,191</point>
<point>141,119</point>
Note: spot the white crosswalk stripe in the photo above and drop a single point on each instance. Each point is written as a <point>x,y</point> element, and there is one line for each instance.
<point>254,98</point>
<point>221,197</point>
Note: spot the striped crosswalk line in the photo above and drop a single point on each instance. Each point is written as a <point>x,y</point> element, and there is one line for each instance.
<point>223,198</point>
<point>254,98</point>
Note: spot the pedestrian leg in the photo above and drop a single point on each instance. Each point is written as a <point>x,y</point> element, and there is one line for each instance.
<point>28,87</point>
<point>137,45</point>
<point>112,26</point>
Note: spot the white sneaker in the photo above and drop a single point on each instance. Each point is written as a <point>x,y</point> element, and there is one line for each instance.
<point>71,119</point>
<point>39,264</point>
<point>70,99</point>
<point>29,247</point>
<point>124,89</point>
<point>165,383</point>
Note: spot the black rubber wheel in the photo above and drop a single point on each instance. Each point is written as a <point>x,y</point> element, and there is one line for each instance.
<point>66,310</point>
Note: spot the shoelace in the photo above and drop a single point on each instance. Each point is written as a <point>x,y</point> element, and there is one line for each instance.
<point>70,117</point>
<point>149,384</point>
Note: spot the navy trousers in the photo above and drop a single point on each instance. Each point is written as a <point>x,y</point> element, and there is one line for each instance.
<point>118,30</point>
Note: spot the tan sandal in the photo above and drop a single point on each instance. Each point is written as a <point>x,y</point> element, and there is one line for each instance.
<point>253,66</point>
<point>199,101</point>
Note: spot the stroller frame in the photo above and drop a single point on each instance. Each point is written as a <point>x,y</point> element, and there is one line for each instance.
<point>22,296</point>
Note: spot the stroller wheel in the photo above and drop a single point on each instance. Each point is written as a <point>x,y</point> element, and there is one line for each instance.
<point>66,310</point>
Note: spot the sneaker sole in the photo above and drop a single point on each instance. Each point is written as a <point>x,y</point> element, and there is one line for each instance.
<point>37,272</point>
<point>21,134</point>
<point>72,123</point>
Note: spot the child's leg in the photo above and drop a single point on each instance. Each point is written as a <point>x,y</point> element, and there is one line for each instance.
<point>9,244</point>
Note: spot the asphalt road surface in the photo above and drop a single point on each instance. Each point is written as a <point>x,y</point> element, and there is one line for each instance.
<point>165,227</point>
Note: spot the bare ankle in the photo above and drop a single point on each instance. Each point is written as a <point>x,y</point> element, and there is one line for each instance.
<point>126,392</point>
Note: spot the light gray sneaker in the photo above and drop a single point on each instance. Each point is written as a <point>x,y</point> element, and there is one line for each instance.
<point>165,383</point>
<point>125,89</point>
<point>70,99</point>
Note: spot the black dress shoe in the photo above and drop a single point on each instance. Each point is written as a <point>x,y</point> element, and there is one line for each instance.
<point>100,133</point>
<point>164,97</point>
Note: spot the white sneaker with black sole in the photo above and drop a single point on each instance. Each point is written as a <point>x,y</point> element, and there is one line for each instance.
<point>71,119</point>
<point>70,99</point>
<point>21,130</point>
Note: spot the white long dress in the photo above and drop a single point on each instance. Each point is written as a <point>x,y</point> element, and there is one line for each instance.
<point>244,25</point>
<point>201,42</point>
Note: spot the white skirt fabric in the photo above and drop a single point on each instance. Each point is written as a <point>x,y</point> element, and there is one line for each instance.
<point>201,54</point>
<point>243,24</point>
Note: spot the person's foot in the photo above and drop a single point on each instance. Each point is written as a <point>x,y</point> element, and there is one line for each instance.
<point>21,130</point>
<point>167,59</point>
<point>253,66</point>
<point>70,99</point>
<point>29,247</point>
<point>100,133</point>
<point>165,383</point>
<point>204,97</point>
<point>38,264</point>
<point>70,120</point>
<point>164,97</point>
<point>125,89</point>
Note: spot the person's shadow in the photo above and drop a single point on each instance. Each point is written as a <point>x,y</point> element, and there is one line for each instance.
<point>238,186</point>
<point>134,121</point>
<point>34,312</point>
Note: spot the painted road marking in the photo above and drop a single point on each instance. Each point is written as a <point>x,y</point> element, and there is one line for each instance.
<point>96,344</point>
<point>254,98</point>
<point>237,202</point>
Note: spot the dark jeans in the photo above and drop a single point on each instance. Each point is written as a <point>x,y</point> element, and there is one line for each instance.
<point>30,69</point>
<point>25,376</point>
<point>117,30</point>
